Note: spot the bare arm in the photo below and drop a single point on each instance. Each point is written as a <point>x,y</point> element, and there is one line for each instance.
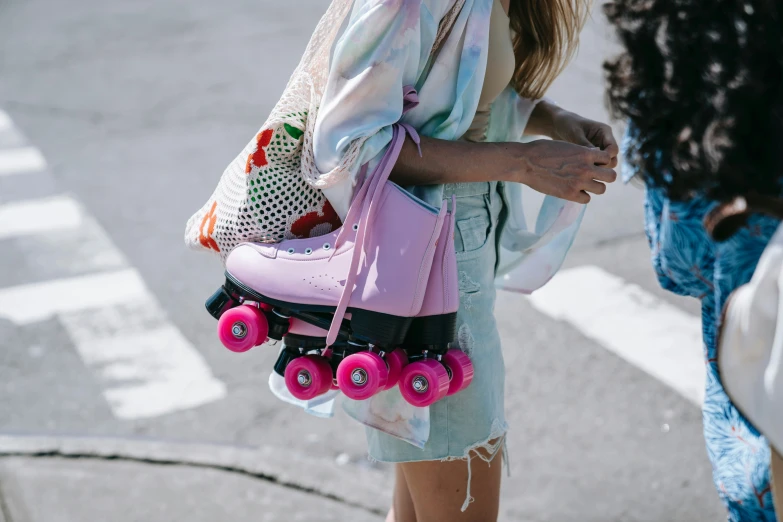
<point>558,168</point>
<point>542,119</point>
<point>444,161</point>
<point>581,162</point>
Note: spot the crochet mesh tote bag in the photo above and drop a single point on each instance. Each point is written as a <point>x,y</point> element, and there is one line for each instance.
<point>271,190</point>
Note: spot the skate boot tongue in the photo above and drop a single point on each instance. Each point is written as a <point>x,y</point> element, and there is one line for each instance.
<point>364,206</point>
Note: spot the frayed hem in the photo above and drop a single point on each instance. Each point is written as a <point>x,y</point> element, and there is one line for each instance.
<point>486,451</point>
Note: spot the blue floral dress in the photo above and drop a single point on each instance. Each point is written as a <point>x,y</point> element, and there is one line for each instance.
<point>688,262</point>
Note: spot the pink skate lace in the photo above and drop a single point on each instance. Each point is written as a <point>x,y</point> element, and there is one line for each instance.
<point>365,204</point>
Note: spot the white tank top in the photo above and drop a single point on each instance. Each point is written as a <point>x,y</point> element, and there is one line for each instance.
<point>500,69</point>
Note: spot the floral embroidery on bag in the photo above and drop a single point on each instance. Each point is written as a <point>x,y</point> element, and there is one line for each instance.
<point>305,225</point>
<point>207,228</point>
<point>293,131</point>
<point>258,158</point>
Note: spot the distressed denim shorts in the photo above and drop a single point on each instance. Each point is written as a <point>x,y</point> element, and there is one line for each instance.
<point>473,417</point>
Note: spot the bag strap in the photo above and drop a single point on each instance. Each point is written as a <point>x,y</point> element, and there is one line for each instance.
<point>444,30</point>
<point>445,27</point>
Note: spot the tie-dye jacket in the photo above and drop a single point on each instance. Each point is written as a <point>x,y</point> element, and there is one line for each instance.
<point>385,45</point>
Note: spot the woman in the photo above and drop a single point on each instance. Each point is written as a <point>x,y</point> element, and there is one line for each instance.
<point>700,84</point>
<point>476,95</point>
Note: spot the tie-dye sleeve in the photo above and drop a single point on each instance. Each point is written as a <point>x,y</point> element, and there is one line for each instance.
<point>509,116</point>
<point>383,47</point>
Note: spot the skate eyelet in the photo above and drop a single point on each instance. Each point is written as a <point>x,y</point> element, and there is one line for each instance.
<point>355,227</point>
<point>327,246</point>
<point>308,251</point>
<point>291,250</point>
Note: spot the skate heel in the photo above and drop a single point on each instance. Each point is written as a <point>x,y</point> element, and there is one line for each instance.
<point>220,302</point>
<point>378,328</point>
<point>279,323</point>
<point>433,330</point>
<point>295,346</point>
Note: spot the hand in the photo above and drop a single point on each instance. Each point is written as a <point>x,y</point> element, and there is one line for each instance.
<point>570,127</point>
<point>561,169</point>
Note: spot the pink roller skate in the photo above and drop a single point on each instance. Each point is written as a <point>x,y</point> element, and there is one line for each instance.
<point>373,267</point>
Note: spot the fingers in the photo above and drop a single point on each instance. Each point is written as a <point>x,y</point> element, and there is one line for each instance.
<point>609,144</point>
<point>604,174</point>
<point>592,180</point>
<point>581,139</point>
<point>612,148</point>
<point>596,187</point>
<point>582,197</point>
<point>577,196</point>
<point>604,138</point>
<point>580,191</point>
<point>599,157</point>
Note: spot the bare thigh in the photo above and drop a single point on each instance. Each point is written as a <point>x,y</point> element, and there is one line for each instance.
<point>438,490</point>
<point>402,505</point>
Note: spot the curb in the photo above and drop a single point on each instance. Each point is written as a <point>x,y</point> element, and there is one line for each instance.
<point>351,485</point>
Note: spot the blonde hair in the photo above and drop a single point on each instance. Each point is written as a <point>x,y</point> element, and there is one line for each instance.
<point>546,38</point>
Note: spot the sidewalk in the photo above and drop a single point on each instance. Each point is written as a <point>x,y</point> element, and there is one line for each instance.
<point>126,480</point>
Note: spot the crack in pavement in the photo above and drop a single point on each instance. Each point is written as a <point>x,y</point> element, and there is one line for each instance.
<point>277,466</point>
<point>163,462</point>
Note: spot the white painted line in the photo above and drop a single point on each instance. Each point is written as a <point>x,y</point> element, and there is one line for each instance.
<point>649,333</point>
<point>27,304</point>
<point>145,364</point>
<point>39,216</point>
<point>147,367</point>
<point>5,122</point>
<point>21,160</point>
<point>150,373</point>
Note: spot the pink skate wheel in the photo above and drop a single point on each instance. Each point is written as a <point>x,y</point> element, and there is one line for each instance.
<point>308,377</point>
<point>458,363</point>
<point>361,375</point>
<point>242,328</point>
<point>395,360</point>
<point>424,382</point>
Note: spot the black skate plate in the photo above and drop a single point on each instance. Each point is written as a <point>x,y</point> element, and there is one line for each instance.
<point>435,331</point>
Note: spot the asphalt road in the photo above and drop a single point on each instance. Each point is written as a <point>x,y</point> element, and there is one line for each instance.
<point>137,108</point>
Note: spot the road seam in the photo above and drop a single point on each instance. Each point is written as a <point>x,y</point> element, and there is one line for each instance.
<point>280,466</point>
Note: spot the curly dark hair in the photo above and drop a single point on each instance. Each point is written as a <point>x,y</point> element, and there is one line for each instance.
<point>701,83</point>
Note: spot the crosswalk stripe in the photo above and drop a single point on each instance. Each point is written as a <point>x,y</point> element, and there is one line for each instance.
<point>648,332</point>
<point>26,304</point>
<point>40,215</point>
<point>145,373</point>
<point>21,160</point>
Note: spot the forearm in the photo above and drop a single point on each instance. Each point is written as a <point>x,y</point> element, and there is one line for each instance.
<point>445,161</point>
<point>552,167</point>
<point>541,122</point>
